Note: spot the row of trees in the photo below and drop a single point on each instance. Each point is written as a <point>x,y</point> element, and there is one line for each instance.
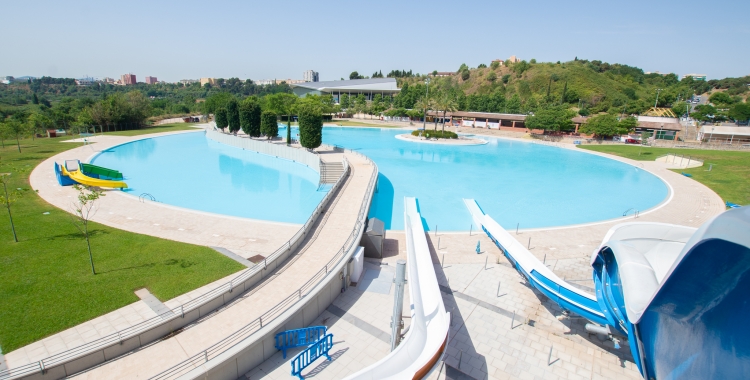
<point>260,116</point>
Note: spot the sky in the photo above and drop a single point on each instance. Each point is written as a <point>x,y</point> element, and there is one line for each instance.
<point>281,39</point>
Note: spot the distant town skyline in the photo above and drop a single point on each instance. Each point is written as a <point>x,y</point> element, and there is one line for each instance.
<point>85,38</point>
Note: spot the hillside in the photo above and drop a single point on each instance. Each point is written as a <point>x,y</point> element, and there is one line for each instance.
<point>594,85</point>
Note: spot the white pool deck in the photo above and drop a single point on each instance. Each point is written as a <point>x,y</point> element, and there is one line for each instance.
<point>480,334</point>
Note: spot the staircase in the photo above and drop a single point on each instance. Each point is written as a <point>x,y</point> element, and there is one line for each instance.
<point>330,172</point>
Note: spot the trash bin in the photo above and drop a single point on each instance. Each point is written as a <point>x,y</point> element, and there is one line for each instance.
<point>373,237</point>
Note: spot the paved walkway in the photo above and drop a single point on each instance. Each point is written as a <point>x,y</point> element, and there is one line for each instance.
<point>332,230</point>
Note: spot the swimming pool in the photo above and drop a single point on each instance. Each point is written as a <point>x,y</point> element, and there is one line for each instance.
<point>516,182</point>
<point>188,170</point>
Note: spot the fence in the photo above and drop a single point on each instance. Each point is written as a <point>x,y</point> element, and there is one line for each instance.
<point>303,294</point>
<point>108,347</point>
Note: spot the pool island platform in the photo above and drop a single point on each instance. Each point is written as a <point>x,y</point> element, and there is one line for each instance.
<point>461,140</point>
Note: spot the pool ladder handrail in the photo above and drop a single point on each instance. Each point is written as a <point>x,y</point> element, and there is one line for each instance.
<point>148,196</point>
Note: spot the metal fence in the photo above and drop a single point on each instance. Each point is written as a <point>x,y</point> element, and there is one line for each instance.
<point>289,301</point>
<point>210,298</point>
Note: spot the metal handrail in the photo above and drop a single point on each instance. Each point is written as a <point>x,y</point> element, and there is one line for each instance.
<point>271,314</point>
<point>166,317</point>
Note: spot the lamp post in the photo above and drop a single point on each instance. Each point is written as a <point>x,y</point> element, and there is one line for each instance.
<point>657,96</point>
<point>426,96</point>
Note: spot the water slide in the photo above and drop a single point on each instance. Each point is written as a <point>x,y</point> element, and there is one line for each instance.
<point>539,275</point>
<point>427,337</point>
<point>679,295</point>
<point>73,170</point>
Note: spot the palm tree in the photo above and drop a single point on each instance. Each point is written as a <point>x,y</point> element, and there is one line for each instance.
<point>446,104</point>
<point>424,104</point>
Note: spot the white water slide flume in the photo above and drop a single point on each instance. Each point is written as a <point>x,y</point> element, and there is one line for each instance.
<point>428,333</point>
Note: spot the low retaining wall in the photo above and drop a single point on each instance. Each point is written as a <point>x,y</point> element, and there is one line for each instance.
<point>277,150</point>
<point>111,346</point>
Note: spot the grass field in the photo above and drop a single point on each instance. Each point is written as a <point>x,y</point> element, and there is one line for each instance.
<point>730,176</point>
<point>46,284</point>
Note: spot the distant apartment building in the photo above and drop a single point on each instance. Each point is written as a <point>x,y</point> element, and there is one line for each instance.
<point>267,82</point>
<point>695,76</point>
<point>310,76</point>
<point>211,81</point>
<point>7,80</point>
<point>513,59</point>
<point>108,80</point>
<point>188,82</point>
<point>151,80</point>
<point>85,82</point>
<point>127,79</point>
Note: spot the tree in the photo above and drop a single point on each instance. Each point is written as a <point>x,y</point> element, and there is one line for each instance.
<point>344,101</point>
<point>360,103</point>
<point>310,127</point>
<point>465,75</point>
<point>704,112</point>
<point>604,126</point>
<point>269,127</point>
<point>16,129</point>
<point>355,75</point>
<point>221,118</point>
<point>83,210</point>
<point>513,105</point>
<point>282,104</point>
<point>250,112</point>
<point>492,76</point>
<point>423,104</point>
<point>216,101</point>
<point>446,103</point>
<point>8,199</point>
<point>233,116</point>
<point>552,118</point>
<point>494,65</point>
<point>680,108</point>
<point>721,99</point>
<point>740,112</point>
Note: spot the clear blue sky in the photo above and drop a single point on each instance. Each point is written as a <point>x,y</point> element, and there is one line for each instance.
<point>281,39</point>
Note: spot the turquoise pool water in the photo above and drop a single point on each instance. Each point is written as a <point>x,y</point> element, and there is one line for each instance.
<point>188,170</point>
<point>516,182</point>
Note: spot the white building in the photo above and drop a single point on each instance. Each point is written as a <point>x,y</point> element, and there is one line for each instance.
<point>310,76</point>
<point>7,80</point>
<point>367,87</point>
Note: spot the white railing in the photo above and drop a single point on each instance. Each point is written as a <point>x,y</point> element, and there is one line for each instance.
<point>155,328</point>
<point>430,323</point>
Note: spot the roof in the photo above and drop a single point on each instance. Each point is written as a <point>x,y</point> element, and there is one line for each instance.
<point>375,84</point>
<point>482,115</point>
<point>655,126</point>
<point>736,131</point>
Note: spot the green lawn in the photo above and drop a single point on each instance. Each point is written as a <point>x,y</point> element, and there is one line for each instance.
<point>46,284</point>
<point>730,176</point>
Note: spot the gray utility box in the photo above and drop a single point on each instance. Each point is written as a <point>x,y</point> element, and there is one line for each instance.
<point>373,237</point>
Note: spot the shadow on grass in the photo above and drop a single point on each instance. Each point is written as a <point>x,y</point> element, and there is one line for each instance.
<point>73,235</point>
<point>148,265</point>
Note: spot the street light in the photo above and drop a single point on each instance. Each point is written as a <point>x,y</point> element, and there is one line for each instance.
<point>426,96</point>
<point>657,96</point>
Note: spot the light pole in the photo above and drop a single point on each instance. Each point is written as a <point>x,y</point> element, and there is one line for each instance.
<point>426,97</point>
<point>657,96</point>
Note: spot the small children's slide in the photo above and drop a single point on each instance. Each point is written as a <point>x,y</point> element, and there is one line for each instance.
<point>72,172</point>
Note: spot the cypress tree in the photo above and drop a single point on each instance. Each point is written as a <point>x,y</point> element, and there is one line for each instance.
<point>221,118</point>
<point>310,128</point>
<point>268,125</point>
<point>233,116</point>
<point>250,117</point>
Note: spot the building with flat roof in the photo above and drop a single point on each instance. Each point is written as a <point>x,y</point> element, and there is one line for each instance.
<point>724,135</point>
<point>368,87</point>
<point>695,76</point>
<point>127,79</point>
<point>85,82</point>
<point>310,76</point>
<point>513,59</point>
<point>211,81</point>
<point>151,80</point>
<point>188,82</point>
<point>8,80</point>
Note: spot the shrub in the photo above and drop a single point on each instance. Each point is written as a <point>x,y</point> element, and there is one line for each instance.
<point>221,118</point>
<point>268,125</point>
<point>233,116</point>
<point>310,128</point>
<point>436,134</point>
<point>250,117</point>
